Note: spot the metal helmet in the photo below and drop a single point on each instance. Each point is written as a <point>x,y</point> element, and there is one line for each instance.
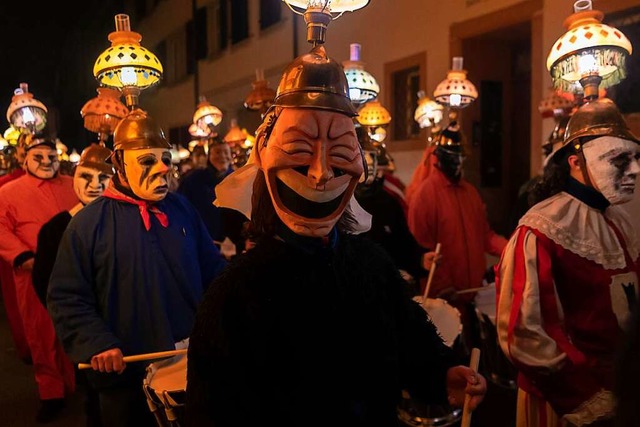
<point>138,130</point>
<point>450,139</point>
<point>597,118</point>
<point>556,137</point>
<point>95,156</point>
<point>314,80</point>
<point>29,140</point>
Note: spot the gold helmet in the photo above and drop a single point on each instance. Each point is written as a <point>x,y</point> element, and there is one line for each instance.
<point>95,156</point>
<point>28,140</point>
<point>556,137</point>
<point>314,80</point>
<point>138,130</point>
<point>597,118</point>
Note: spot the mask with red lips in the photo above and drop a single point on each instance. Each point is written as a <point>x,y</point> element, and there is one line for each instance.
<point>312,164</point>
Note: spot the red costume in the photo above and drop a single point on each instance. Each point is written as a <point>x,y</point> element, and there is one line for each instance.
<point>453,215</point>
<point>566,282</point>
<point>25,205</point>
<point>9,290</point>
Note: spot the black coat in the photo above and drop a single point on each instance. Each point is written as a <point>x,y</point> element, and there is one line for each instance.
<point>292,334</point>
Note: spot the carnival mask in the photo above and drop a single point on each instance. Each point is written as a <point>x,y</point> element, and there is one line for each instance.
<point>312,164</point>
<point>450,163</point>
<point>89,183</point>
<point>613,165</point>
<point>146,170</point>
<point>42,161</point>
<point>220,156</point>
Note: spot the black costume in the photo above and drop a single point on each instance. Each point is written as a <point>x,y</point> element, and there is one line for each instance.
<point>338,311</point>
<point>389,228</point>
<point>49,238</point>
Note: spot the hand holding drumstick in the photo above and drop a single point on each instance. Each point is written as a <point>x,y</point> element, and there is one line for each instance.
<point>465,386</point>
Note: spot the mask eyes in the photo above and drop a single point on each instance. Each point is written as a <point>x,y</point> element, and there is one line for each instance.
<point>166,159</point>
<point>103,177</point>
<point>148,161</point>
<point>86,176</point>
<point>38,157</point>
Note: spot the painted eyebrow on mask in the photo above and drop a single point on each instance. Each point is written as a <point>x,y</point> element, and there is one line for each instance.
<point>300,130</point>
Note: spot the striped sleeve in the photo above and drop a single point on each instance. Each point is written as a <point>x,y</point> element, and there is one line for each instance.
<point>530,324</point>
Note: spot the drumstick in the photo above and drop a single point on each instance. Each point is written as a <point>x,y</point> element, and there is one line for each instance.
<point>140,357</point>
<point>468,291</point>
<point>473,364</point>
<point>431,271</point>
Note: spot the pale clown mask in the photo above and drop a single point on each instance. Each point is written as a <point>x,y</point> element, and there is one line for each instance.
<point>613,165</point>
<point>312,164</point>
<point>147,170</point>
<point>89,183</point>
<point>42,162</point>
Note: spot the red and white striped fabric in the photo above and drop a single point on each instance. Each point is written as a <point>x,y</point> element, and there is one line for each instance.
<point>565,284</point>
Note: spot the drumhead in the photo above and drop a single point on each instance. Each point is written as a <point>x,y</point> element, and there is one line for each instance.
<point>445,317</point>
<point>168,375</point>
<point>485,301</point>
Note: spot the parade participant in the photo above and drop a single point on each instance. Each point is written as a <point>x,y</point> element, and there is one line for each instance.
<point>447,209</point>
<point>130,271</point>
<point>27,203</point>
<point>14,157</point>
<point>199,186</point>
<point>90,178</point>
<point>388,219</point>
<point>568,278</point>
<point>312,325</point>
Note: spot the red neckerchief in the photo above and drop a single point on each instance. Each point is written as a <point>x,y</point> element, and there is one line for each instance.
<point>144,206</point>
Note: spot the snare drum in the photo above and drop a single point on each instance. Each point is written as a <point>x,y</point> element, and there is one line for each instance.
<point>445,317</point>
<point>494,363</point>
<point>165,386</point>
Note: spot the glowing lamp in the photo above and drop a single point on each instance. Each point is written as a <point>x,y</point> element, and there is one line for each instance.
<point>590,53</point>
<point>319,13</point>
<point>428,113</point>
<point>456,91</point>
<point>102,113</point>
<point>207,116</point>
<point>126,65</point>
<point>363,86</point>
<point>261,96</point>
<point>26,112</point>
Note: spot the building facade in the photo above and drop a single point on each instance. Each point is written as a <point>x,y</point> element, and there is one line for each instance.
<point>212,48</point>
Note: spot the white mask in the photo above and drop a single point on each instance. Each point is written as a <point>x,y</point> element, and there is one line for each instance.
<point>42,162</point>
<point>613,165</point>
<point>146,170</point>
<point>89,183</point>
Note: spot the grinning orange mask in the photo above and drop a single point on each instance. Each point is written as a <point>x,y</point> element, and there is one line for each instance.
<point>312,163</point>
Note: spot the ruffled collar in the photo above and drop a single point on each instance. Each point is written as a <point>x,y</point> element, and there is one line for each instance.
<point>583,229</point>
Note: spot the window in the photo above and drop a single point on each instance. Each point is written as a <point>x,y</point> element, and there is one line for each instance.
<point>405,78</point>
<point>239,20</point>
<point>216,27</point>
<point>270,13</point>
<point>625,93</point>
<point>175,66</point>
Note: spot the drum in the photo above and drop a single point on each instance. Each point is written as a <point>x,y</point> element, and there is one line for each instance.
<point>494,364</point>
<point>446,319</point>
<point>165,386</point>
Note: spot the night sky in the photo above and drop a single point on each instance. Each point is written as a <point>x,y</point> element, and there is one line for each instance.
<point>52,46</point>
